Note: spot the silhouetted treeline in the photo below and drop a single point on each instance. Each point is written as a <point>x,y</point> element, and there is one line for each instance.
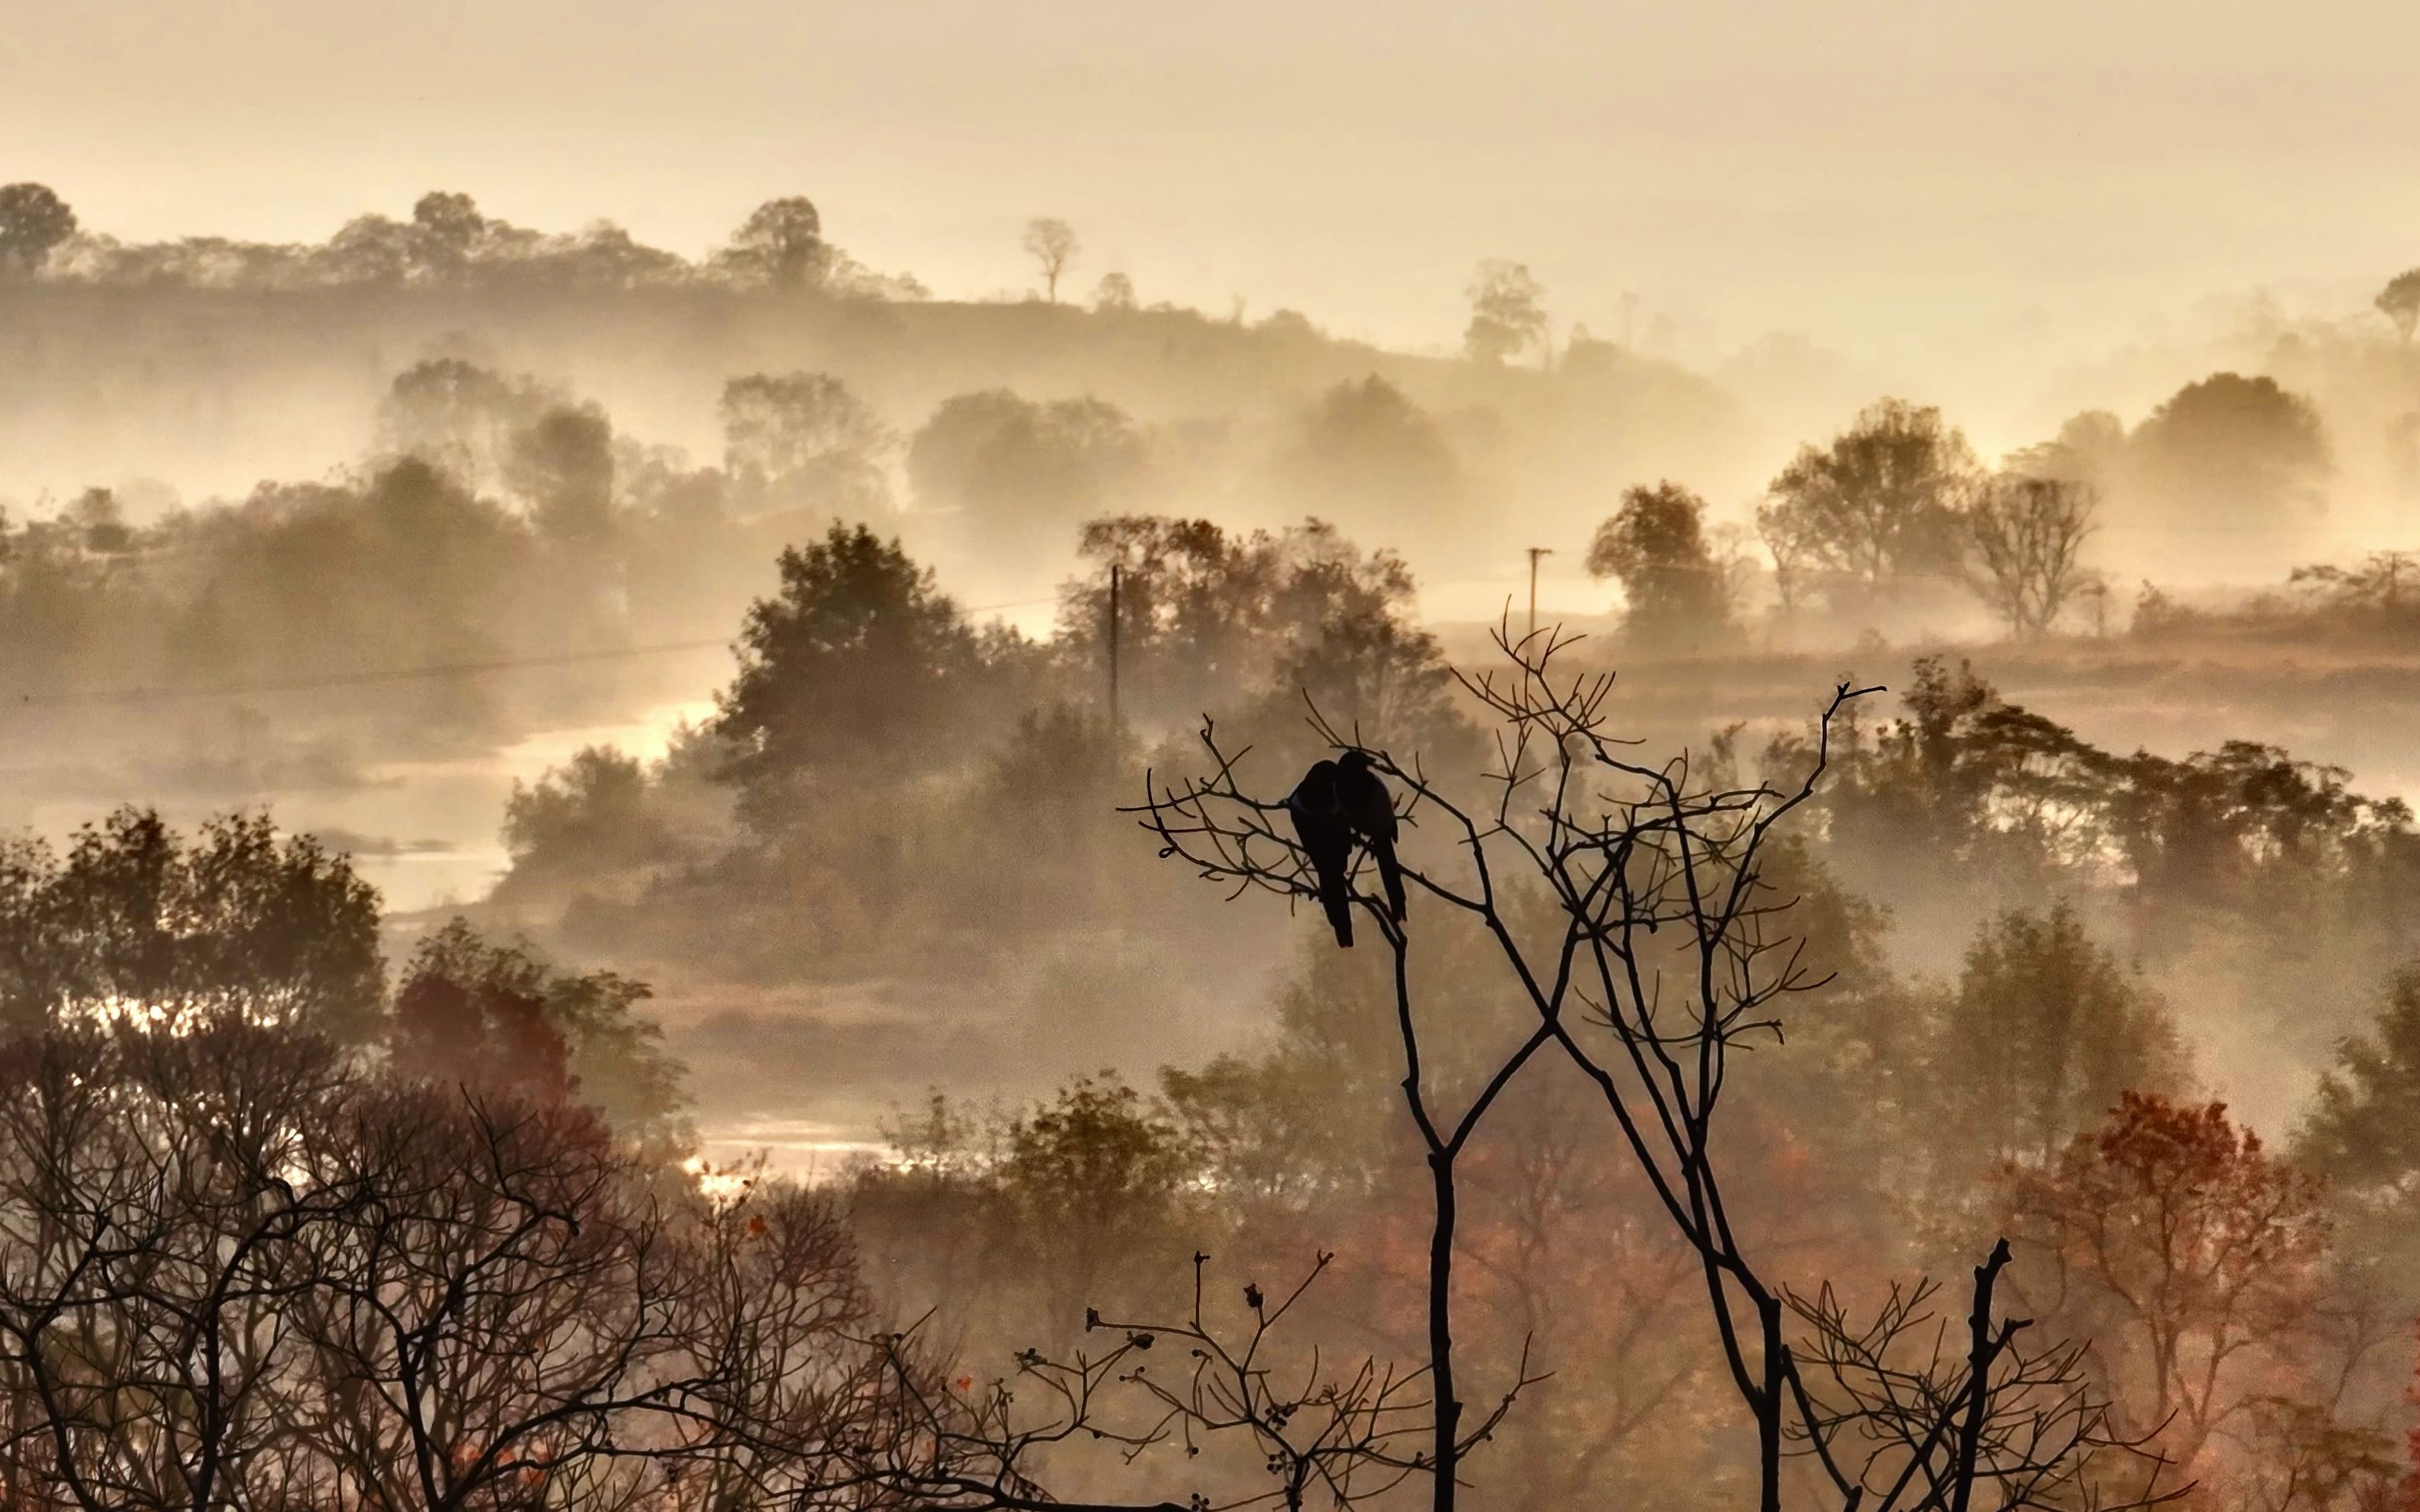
<point>445,239</point>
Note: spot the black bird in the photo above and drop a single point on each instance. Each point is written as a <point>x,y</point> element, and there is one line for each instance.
<point>1336,804</point>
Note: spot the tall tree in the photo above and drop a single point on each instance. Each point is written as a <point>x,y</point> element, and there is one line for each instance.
<point>2190,1255</point>
<point>858,663</point>
<point>1365,453</point>
<point>498,1018</point>
<point>447,230</point>
<point>1090,1179</point>
<point>1051,243</point>
<point>1655,546</point>
<point>1212,620</point>
<point>461,416</point>
<point>1020,474</point>
<point>2044,1032</point>
<point>589,816</point>
<point>2363,1128</point>
<point>781,245</point>
<point>1508,312</point>
<point>563,467</point>
<point>1879,504</point>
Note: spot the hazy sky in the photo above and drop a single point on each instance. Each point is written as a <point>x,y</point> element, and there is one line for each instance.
<point>1890,176</point>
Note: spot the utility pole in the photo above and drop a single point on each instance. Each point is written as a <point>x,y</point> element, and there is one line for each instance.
<point>1535,552</point>
<point>1114,726</point>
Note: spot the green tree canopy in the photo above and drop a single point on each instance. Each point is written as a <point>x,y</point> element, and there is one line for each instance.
<point>859,664</point>
<point>140,923</point>
<point>1878,504</point>
<point>1656,544</point>
<point>2043,1032</point>
<point>2363,1128</point>
<point>781,245</point>
<point>34,220</point>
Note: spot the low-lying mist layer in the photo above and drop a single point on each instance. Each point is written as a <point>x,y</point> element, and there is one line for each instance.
<point>781,659</point>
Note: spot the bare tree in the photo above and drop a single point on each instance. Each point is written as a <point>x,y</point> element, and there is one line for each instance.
<point>237,1272</point>
<point>2024,544</point>
<point>1897,1422</point>
<point>1344,1433</point>
<point>1051,243</point>
<point>1671,950</point>
<point>144,1260</point>
<point>1232,835</point>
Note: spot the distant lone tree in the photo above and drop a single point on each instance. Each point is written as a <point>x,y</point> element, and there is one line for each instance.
<point>780,245</point>
<point>1655,546</point>
<point>1508,314</point>
<point>2399,301</point>
<point>1880,504</point>
<point>100,521</point>
<point>1052,245</point>
<point>2025,544</point>
<point>1116,291</point>
<point>33,221</point>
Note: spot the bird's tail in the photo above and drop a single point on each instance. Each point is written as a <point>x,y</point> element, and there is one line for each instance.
<point>1391,875</point>
<point>1332,898</point>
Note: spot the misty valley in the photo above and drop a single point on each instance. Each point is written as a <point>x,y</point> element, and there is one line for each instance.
<point>642,882</point>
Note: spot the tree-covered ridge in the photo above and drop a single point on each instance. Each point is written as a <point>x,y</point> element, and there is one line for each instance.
<point>444,240</point>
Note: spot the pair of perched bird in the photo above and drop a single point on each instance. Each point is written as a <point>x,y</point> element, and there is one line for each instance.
<point>1337,805</point>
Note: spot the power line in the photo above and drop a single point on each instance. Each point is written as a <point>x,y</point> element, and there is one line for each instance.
<point>397,674</point>
<point>404,674</point>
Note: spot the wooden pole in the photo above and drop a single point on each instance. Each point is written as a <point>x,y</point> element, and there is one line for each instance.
<point>1535,552</point>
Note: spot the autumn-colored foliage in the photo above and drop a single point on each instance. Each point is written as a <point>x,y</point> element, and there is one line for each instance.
<point>479,1035</point>
<point>2189,1253</point>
